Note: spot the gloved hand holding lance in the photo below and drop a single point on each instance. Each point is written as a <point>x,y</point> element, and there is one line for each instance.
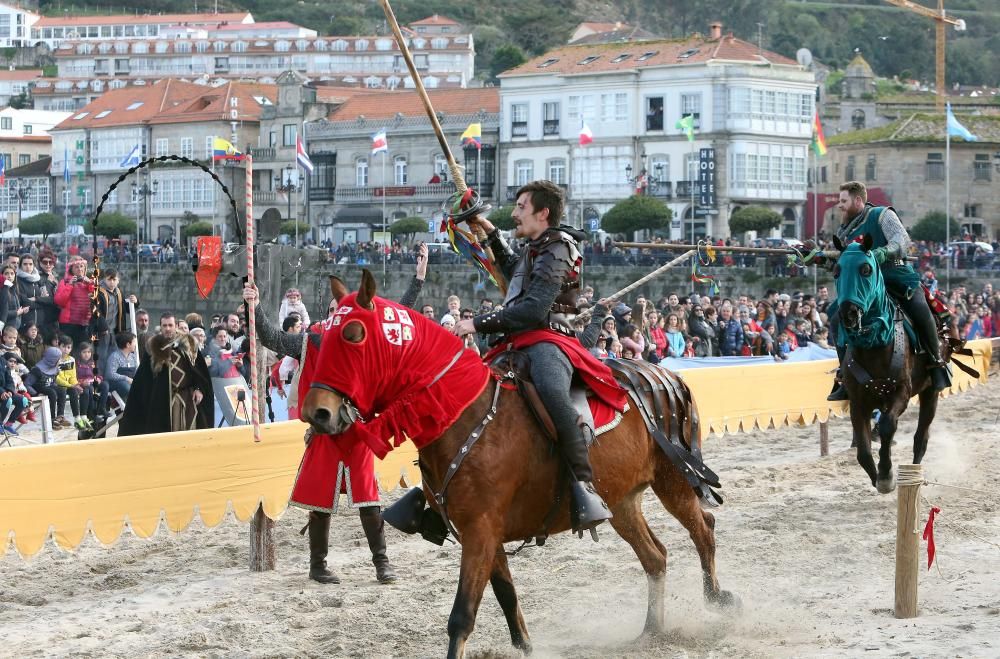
<point>465,204</point>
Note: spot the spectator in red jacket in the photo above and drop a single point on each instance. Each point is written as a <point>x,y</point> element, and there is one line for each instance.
<point>73,297</point>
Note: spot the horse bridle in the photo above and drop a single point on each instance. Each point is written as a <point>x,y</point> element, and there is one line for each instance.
<point>348,412</point>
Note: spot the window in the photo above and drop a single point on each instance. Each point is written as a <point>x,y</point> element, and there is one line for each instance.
<point>187,147</point>
<point>645,56</point>
<point>361,172</point>
<point>654,113</point>
<point>981,167</point>
<point>27,129</point>
<point>6,123</point>
<point>24,159</point>
<point>588,60</point>
<point>870,168</point>
<point>209,147</point>
<point>739,169</point>
<point>557,171</point>
<point>283,46</point>
<point>659,166</point>
<point>524,172</point>
<point>849,170</point>
<point>441,166</point>
<point>399,170</point>
<point>691,166</point>
<point>162,146</point>
<point>621,58</point>
<point>972,210</point>
<point>549,62</point>
<point>691,104</point>
<point>614,107</point>
<point>135,106</point>
<point>805,108</point>
<point>934,167</point>
<point>858,119</point>
<point>550,118</point>
<point>288,133</point>
<point>519,120</point>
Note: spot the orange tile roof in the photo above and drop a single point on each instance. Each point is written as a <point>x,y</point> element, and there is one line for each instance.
<point>386,104</point>
<point>20,74</point>
<point>40,139</point>
<point>213,104</point>
<point>435,20</point>
<point>126,19</point>
<point>156,98</point>
<point>666,52</point>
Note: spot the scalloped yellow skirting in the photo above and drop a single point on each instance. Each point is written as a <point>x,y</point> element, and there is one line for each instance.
<point>65,490</point>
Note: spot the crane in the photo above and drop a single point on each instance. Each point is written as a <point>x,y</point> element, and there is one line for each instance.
<point>940,19</point>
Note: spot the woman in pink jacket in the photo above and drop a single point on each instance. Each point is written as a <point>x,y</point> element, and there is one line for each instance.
<point>73,297</point>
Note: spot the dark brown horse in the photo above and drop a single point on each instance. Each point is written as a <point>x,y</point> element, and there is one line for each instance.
<point>505,488</point>
<point>880,370</point>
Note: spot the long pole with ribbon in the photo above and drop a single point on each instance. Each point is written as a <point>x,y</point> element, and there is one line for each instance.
<point>642,280</point>
<point>418,83</point>
<point>251,309</point>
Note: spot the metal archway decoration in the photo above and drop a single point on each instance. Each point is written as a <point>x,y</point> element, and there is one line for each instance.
<point>146,163</point>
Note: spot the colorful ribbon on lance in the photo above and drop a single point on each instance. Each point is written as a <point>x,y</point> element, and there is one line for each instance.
<point>698,278</point>
<point>464,243</point>
<point>929,535</point>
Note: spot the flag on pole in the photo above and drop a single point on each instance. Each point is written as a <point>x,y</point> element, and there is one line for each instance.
<point>473,135</point>
<point>586,136</point>
<point>379,142</point>
<point>223,150</point>
<point>301,157</point>
<point>818,141</point>
<point>66,175</point>
<point>686,124</point>
<point>3,170</point>
<point>955,129</point>
<point>131,159</point>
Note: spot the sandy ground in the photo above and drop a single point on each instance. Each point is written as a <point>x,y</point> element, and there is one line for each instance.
<point>805,542</point>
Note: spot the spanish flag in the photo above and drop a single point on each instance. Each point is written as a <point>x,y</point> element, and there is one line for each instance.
<point>473,135</point>
<point>818,142</point>
<point>223,150</point>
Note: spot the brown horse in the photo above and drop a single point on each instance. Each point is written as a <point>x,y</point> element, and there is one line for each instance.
<point>505,489</point>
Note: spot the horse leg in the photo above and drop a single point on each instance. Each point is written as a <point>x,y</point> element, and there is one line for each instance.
<point>928,407</point>
<point>479,546</point>
<point>631,525</point>
<point>886,430</point>
<point>682,502</point>
<point>861,422</point>
<point>503,588</point>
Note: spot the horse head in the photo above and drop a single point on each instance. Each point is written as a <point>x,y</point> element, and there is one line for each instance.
<point>371,354</point>
<point>859,283</point>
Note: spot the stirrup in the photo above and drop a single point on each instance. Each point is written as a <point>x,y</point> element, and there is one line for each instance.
<point>940,376</point>
<point>587,509</point>
<point>839,393</point>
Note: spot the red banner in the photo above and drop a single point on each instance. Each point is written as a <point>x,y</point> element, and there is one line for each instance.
<point>395,191</point>
<point>209,263</point>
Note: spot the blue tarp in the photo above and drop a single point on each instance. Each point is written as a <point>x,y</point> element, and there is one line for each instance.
<point>809,353</point>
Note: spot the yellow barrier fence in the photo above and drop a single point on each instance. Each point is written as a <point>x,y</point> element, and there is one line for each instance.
<point>64,490</point>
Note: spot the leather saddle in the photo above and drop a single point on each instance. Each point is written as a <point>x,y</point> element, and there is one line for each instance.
<point>516,366</point>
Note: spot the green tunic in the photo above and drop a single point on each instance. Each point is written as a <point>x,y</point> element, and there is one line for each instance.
<point>900,280</point>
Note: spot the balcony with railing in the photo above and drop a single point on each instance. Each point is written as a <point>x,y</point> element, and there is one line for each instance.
<point>519,129</point>
<point>685,189</point>
<point>265,197</point>
<point>433,192</point>
<point>512,191</point>
<point>263,154</point>
<point>550,127</point>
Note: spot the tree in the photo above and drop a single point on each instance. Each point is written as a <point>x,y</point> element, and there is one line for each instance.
<point>501,218</point>
<point>931,227</point>
<point>404,228</point>
<point>505,57</point>
<point>192,229</point>
<point>636,213</point>
<point>754,218</point>
<point>288,228</point>
<point>112,225</point>
<point>44,224</point>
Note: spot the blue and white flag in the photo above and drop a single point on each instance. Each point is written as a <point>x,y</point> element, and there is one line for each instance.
<point>955,129</point>
<point>131,159</point>
<point>66,175</point>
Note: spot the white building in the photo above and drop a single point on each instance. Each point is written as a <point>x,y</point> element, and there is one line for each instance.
<point>16,82</point>
<point>752,111</point>
<point>15,25</point>
<point>53,30</point>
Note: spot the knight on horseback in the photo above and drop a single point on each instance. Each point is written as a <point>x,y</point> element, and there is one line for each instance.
<point>544,286</point>
<point>891,242</point>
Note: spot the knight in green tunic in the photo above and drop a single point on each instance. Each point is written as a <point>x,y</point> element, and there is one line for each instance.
<point>891,242</point>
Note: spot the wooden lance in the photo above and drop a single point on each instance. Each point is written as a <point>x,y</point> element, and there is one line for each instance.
<point>251,309</point>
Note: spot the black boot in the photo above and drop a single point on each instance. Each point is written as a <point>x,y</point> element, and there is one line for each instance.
<point>587,508</point>
<point>926,326</point>
<point>839,392</point>
<point>319,541</point>
<point>371,522</point>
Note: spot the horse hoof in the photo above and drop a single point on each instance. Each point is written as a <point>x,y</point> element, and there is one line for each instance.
<point>886,485</point>
<point>524,647</point>
<point>725,599</point>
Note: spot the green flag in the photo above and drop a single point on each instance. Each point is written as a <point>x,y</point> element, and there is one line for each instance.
<point>686,124</point>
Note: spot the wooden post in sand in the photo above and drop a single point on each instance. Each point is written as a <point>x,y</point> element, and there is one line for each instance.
<point>907,540</point>
<point>824,439</point>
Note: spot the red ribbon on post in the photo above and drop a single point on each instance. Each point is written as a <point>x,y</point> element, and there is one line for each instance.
<point>929,535</point>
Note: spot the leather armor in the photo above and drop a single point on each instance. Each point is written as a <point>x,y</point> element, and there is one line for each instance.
<point>554,258</point>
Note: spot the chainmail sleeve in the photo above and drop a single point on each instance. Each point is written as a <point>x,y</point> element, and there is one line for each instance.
<point>409,298</point>
<point>274,339</point>
<point>897,240</point>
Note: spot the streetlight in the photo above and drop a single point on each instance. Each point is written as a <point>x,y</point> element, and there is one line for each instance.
<point>645,182</point>
<point>19,191</point>
<point>287,186</point>
<point>142,192</point>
